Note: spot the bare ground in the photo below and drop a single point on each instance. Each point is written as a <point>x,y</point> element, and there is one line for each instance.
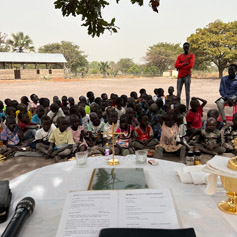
<point>207,89</point>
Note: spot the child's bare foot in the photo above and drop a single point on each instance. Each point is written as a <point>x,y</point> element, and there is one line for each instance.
<point>57,159</point>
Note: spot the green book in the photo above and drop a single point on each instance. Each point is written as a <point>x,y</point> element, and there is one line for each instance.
<point>117,179</point>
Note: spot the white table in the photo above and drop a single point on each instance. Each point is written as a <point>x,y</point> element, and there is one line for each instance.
<point>49,187</point>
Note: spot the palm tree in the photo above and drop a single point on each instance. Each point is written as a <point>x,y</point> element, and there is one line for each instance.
<point>104,67</point>
<point>21,42</point>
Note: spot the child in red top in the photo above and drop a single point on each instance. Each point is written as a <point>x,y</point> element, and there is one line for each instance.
<point>194,116</point>
<point>144,135</point>
<point>123,142</point>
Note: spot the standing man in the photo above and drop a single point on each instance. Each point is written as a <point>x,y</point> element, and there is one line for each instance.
<point>184,63</point>
<point>228,91</point>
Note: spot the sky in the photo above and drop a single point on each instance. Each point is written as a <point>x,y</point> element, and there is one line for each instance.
<point>140,27</point>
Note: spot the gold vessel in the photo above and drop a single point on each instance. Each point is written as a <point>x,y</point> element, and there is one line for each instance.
<point>230,185</point>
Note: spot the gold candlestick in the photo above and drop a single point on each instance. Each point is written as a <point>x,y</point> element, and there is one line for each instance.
<point>113,161</point>
<point>230,185</point>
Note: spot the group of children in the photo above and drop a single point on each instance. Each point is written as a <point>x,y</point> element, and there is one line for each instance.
<point>62,128</point>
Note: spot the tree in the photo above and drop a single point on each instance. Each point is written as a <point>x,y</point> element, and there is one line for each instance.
<point>150,70</point>
<point>104,67</point>
<point>135,70</point>
<point>215,43</point>
<point>74,56</point>
<point>20,43</point>
<point>91,15</point>
<point>124,64</point>
<point>162,56</point>
<point>94,67</point>
<point>3,45</point>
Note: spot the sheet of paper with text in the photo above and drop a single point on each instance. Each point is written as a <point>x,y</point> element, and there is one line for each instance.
<point>85,213</point>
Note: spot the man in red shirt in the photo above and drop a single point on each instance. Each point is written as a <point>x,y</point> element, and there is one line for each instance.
<point>184,63</point>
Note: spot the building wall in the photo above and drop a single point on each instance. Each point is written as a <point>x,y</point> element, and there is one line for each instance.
<point>31,74</point>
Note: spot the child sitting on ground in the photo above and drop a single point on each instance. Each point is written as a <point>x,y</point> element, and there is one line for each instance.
<point>123,141</point>
<point>95,129</point>
<point>23,108</point>
<point>55,113</point>
<point>131,117</point>
<point>112,119</point>
<point>213,113</point>
<point>2,114</point>
<point>194,116</point>
<point>169,132</point>
<point>28,128</point>
<point>85,118</point>
<point>11,137</point>
<point>78,134</point>
<point>120,110</point>
<point>154,120</point>
<point>42,135</point>
<point>230,136</point>
<point>36,119</point>
<point>143,135</point>
<point>209,139</point>
<point>61,140</point>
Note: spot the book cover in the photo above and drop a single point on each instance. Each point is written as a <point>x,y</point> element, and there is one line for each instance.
<point>117,179</point>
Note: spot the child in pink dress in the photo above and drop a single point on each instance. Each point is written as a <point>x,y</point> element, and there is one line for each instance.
<point>78,134</point>
<point>169,132</point>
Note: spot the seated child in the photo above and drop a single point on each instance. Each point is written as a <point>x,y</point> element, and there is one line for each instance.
<point>194,116</point>
<point>230,136</point>
<point>123,141</point>
<point>82,101</point>
<point>71,102</point>
<point>28,128</point>
<point>8,103</point>
<point>112,119</point>
<point>11,136</point>
<point>120,110</point>
<point>55,113</point>
<point>2,114</point>
<point>35,103</point>
<point>95,129</point>
<point>85,118</point>
<point>104,96</point>
<point>42,135</point>
<point>160,94</point>
<point>155,97</point>
<point>131,117</point>
<point>39,114</point>
<point>160,104</point>
<point>209,139</point>
<point>78,134</point>
<point>213,113</point>
<point>154,120</point>
<point>61,140</point>
<point>143,135</point>
<point>64,101</point>
<point>169,132</point>
<point>23,108</point>
<point>171,98</point>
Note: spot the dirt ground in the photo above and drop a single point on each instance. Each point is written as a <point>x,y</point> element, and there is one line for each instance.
<point>207,89</point>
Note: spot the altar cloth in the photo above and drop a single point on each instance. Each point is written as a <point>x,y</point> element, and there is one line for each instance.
<point>50,185</point>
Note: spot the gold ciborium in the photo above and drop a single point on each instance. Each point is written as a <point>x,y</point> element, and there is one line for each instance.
<point>230,185</point>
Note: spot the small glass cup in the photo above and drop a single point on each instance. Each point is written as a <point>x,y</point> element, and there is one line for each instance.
<point>81,159</point>
<point>141,157</point>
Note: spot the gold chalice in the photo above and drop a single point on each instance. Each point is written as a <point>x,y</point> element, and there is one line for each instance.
<point>230,185</point>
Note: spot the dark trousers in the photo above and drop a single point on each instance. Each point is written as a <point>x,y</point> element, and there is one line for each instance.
<point>187,81</point>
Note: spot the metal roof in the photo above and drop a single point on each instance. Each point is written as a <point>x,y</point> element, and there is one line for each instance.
<point>32,58</point>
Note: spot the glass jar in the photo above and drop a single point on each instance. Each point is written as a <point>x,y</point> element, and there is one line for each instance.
<point>197,157</point>
<point>190,158</point>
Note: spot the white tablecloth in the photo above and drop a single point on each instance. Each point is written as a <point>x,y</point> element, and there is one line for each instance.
<point>49,187</point>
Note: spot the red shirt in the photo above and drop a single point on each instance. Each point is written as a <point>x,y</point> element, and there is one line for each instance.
<point>181,60</point>
<point>140,135</point>
<point>195,118</point>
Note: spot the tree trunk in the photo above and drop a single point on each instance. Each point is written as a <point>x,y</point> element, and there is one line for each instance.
<point>220,72</point>
<point>104,74</point>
